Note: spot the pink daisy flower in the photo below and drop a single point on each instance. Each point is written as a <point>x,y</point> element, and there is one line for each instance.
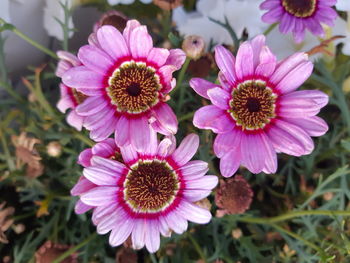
<point>146,193</point>
<point>70,97</point>
<point>256,110</point>
<point>127,81</point>
<point>298,15</point>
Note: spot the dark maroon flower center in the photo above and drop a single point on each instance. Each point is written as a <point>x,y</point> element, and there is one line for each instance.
<point>300,8</point>
<point>150,186</point>
<point>134,87</point>
<point>252,105</point>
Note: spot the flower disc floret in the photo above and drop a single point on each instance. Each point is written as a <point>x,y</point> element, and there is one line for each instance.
<point>300,8</point>
<point>134,87</point>
<point>151,186</point>
<point>252,105</point>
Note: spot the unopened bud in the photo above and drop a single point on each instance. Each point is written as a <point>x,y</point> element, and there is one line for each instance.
<point>167,4</point>
<point>236,233</point>
<point>54,149</point>
<point>193,46</point>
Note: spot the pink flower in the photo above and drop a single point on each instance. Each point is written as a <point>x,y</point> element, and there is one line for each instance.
<point>70,98</point>
<point>256,110</point>
<point>298,15</point>
<point>148,194</point>
<point>127,81</point>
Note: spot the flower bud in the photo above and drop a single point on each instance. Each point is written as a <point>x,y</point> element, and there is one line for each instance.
<point>167,4</point>
<point>112,18</point>
<point>193,46</point>
<point>54,149</point>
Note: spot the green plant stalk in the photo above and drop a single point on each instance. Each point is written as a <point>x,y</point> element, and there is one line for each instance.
<point>291,215</point>
<point>271,27</point>
<point>83,138</point>
<point>73,249</point>
<point>298,237</point>
<point>197,247</point>
<point>28,39</point>
<point>181,75</point>
<point>186,116</point>
<point>9,160</point>
<point>10,91</point>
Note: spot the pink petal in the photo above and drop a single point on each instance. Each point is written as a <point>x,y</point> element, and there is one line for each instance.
<point>129,154</point>
<point>101,212</point>
<point>314,125</point>
<point>122,131</point>
<point>81,208</point>
<point>102,133</point>
<point>75,120</point>
<point>211,117</point>
<point>295,77</point>
<point>207,182</point>
<point>100,176</point>
<point>91,105</point>
<point>219,98</point>
<point>112,42</point>
<point>139,133</point>
<point>105,148</point>
<point>258,44</point>
<point>194,213</point>
<point>226,63</point>
<point>82,186</point>
<point>176,58</point>
<point>163,227</point>
<point>194,195</point>
<point>141,42</point>
<point>270,154</point>
<point>69,57</point>
<point>99,119</point>
<point>291,107</point>
<point>225,142</point>
<point>186,149</point>
<point>176,222</point>
<point>165,147</point>
<point>287,23</point>
<point>201,86</point>
<point>83,78</point>
<point>167,73</point>
<point>138,234</point>
<point>65,102</point>
<point>152,238</point>
<point>194,169</point>
<point>121,232</point>
<point>151,148</point>
<point>244,61</point>
<point>267,63</point>
<point>85,157</point>
<point>319,97</point>
<point>95,59</point>
<point>130,26</point>
<point>166,117</point>
<point>108,221</point>
<point>158,56</point>
<point>273,15</point>
<point>229,163</point>
<point>108,164</point>
<point>287,65</point>
<point>253,152</point>
<point>101,195</point>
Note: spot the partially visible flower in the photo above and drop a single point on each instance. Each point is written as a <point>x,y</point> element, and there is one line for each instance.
<point>126,2</point>
<point>237,233</point>
<point>50,251</point>
<point>236,12</point>
<point>201,67</point>
<point>127,81</point>
<point>296,16</point>
<point>70,97</point>
<point>167,4</point>
<point>193,46</point>
<point>151,193</point>
<point>343,5</point>
<point>27,154</point>
<point>5,221</point>
<point>53,11</point>
<point>256,109</point>
<point>112,18</point>
<point>54,149</point>
<point>233,196</point>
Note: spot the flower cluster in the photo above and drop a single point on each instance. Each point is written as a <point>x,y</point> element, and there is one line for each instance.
<point>117,88</point>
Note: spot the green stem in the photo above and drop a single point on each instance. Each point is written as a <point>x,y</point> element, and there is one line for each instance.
<point>291,215</point>
<point>271,27</point>
<point>28,39</point>
<point>197,247</point>
<point>186,116</point>
<point>153,258</point>
<point>298,237</point>
<point>83,138</point>
<point>11,91</point>
<point>9,160</point>
<point>41,97</point>
<point>181,75</point>
<point>73,249</point>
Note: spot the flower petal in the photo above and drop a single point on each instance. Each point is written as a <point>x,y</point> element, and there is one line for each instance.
<point>101,195</point>
<point>194,169</point>
<point>158,56</point>
<point>229,163</point>
<point>314,125</point>
<point>244,61</point>
<point>100,176</point>
<point>139,133</point>
<point>121,232</point>
<point>219,98</point>
<point>108,164</point>
<point>226,63</point>
<point>194,213</point>
<point>201,86</point>
<point>225,142</point>
<point>95,59</point>
<point>141,42</point>
<point>166,117</point>
<point>186,149</point>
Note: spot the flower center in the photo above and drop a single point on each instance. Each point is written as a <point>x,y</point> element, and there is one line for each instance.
<point>300,8</point>
<point>78,96</point>
<point>150,186</point>
<point>133,87</point>
<point>252,105</point>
